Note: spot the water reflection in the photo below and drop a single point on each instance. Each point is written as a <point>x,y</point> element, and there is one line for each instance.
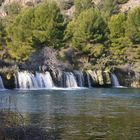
<point>106,114</point>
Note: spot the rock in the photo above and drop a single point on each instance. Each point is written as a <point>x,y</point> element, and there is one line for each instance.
<point>23,2</point>
<point>129,5</point>
<point>107,78</point>
<point>8,80</point>
<point>100,78</point>
<point>128,77</point>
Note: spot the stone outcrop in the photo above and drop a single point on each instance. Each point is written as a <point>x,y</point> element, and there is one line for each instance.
<point>100,78</point>
<point>128,78</point>
<point>88,78</point>
<point>129,5</point>
<point>7,73</point>
<point>23,2</point>
<point>8,80</point>
<point>66,6</point>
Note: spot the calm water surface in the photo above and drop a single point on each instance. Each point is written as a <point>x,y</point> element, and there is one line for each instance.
<point>87,114</point>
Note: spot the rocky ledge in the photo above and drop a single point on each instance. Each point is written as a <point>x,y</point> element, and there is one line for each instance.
<point>128,77</point>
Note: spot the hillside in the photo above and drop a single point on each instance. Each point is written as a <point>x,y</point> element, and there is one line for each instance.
<point>129,5</point>
<point>123,7</point>
<point>68,35</point>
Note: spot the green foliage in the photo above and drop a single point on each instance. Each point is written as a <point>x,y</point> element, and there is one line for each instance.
<point>12,9</point>
<point>133,25</point>
<point>102,35</point>
<point>119,42</point>
<point>133,53</point>
<point>88,28</point>
<point>48,24</point>
<point>81,5</point>
<point>108,8</point>
<point>96,50</point>
<point>118,49</point>
<point>35,27</point>
<point>19,51</point>
<point>21,29</point>
<point>2,34</point>
<point>20,34</point>
<point>116,25</point>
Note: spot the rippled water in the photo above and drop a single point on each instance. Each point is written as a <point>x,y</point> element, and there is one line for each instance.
<point>87,114</point>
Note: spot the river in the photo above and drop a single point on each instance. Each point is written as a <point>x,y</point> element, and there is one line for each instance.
<point>82,114</point>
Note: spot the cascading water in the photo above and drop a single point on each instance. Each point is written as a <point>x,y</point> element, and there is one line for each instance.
<point>88,80</point>
<point>70,80</point>
<point>115,82</point>
<point>44,80</point>
<point>1,83</point>
<point>16,80</point>
<point>75,79</point>
<point>28,80</point>
<point>80,78</point>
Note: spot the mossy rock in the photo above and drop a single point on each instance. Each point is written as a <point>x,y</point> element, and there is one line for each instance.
<point>8,80</point>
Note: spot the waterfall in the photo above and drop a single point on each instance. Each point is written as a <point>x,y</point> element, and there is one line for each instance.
<point>1,83</point>
<point>27,80</point>
<point>88,80</point>
<point>70,80</point>
<point>44,80</point>
<point>80,78</point>
<point>115,82</point>
<point>16,80</point>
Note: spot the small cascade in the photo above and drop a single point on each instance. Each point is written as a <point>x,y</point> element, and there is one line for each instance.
<point>70,80</point>
<point>27,80</point>
<point>16,81</point>
<point>80,78</point>
<point>88,80</point>
<point>39,78</point>
<point>44,80</point>
<point>114,79</point>
<point>1,83</point>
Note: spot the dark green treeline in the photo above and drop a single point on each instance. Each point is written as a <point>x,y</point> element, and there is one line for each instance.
<point>100,32</point>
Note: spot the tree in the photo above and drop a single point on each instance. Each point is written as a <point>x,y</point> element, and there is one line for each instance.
<point>48,24</point>
<point>20,51</point>
<point>133,25</point>
<point>35,27</point>
<point>2,34</point>
<point>21,29</point>
<point>87,29</point>
<point>20,36</point>
<point>117,25</point>
<point>12,9</point>
<point>119,42</point>
<point>108,8</point>
<point>81,5</point>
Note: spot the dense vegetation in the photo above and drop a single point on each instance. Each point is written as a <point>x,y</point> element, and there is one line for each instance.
<point>101,34</point>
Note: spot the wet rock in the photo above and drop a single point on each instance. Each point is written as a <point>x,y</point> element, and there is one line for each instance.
<point>7,73</point>
<point>99,78</point>
<point>128,77</point>
<point>8,80</point>
<point>94,79</point>
<point>106,78</point>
